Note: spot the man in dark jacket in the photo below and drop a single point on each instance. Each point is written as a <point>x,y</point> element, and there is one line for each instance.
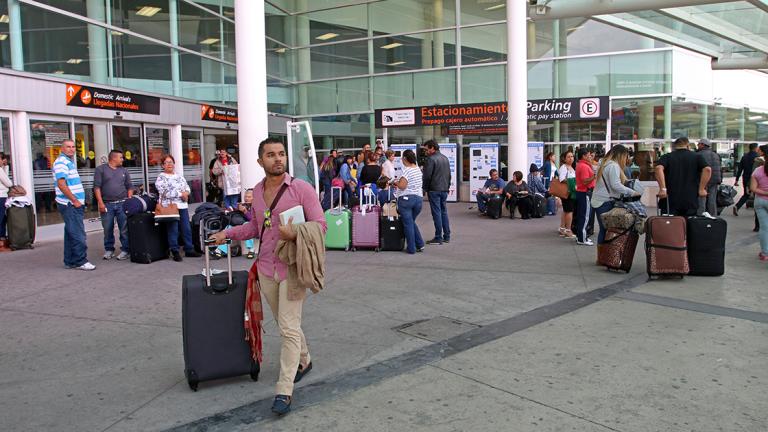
<point>709,204</point>
<point>745,168</point>
<point>437,183</point>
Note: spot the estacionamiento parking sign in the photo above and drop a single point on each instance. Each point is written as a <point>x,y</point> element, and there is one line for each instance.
<point>589,108</point>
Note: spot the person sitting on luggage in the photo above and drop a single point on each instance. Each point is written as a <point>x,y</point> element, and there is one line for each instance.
<point>173,188</point>
<point>518,197</point>
<point>385,193</point>
<point>688,175</point>
<point>371,171</point>
<point>536,182</point>
<point>493,186</point>
<point>350,183</point>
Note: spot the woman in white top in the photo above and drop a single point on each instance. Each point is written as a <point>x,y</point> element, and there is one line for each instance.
<point>388,167</point>
<point>172,188</point>
<point>566,173</point>
<point>5,185</point>
<point>409,201</point>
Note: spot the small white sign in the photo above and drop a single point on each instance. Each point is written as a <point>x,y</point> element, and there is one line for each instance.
<point>404,117</point>
<point>589,108</point>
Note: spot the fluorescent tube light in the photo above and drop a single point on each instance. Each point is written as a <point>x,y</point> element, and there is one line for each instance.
<point>75,61</point>
<point>498,6</point>
<point>751,118</point>
<point>116,33</point>
<point>148,11</point>
<point>396,63</point>
<point>58,72</point>
<point>392,45</point>
<point>4,19</point>
<point>487,59</point>
<point>3,36</point>
<point>280,50</point>
<point>327,36</point>
<point>209,41</point>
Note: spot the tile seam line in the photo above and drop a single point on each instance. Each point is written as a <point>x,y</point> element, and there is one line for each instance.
<point>121,419</point>
<point>692,306</point>
<point>534,401</point>
<point>48,314</point>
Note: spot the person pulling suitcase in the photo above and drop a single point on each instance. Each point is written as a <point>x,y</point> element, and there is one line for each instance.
<point>284,285</point>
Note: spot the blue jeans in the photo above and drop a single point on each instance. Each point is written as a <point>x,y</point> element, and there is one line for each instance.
<point>409,207</point>
<point>761,209</point>
<point>230,201</point>
<point>186,232</point>
<point>583,210</point>
<point>604,208</point>
<point>482,199</point>
<point>115,211</point>
<point>2,218</point>
<point>75,246</point>
<point>440,214</point>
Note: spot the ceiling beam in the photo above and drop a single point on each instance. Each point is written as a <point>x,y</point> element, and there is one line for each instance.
<point>587,8</point>
<point>762,4</point>
<point>718,27</point>
<point>740,63</point>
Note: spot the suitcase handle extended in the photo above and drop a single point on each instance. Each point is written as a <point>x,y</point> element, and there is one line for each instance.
<point>208,242</point>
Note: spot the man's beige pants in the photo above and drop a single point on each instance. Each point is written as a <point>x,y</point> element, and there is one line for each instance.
<point>287,313</point>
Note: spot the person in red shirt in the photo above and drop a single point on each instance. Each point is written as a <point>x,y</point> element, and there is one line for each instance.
<point>585,182</point>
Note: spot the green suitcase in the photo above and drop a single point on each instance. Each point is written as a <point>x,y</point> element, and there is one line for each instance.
<point>339,232</point>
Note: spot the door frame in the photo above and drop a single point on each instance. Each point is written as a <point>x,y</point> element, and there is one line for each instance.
<point>93,223</point>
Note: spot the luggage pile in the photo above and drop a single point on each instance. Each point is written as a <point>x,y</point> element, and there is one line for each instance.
<point>367,225</point>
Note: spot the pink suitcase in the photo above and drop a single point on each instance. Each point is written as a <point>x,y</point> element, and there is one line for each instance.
<point>365,222</point>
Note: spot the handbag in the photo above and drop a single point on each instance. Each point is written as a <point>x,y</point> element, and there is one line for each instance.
<point>389,209</point>
<point>166,213</point>
<point>558,189</point>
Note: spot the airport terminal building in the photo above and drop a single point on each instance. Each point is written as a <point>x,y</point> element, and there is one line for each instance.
<point>161,76</point>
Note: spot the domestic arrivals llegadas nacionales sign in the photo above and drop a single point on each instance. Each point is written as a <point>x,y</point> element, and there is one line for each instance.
<point>113,100</point>
<point>218,114</point>
<point>491,118</point>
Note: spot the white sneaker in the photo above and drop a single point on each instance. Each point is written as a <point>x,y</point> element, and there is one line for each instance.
<point>108,255</point>
<point>586,242</point>
<point>86,267</point>
<point>123,256</point>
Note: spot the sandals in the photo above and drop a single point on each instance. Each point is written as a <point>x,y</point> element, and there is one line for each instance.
<point>569,234</point>
<point>302,371</point>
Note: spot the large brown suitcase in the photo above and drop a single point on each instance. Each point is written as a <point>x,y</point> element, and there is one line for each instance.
<point>666,246</point>
<point>618,250</point>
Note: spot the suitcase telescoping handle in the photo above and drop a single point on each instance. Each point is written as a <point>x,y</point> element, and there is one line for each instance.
<point>340,192</point>
<point>208,242</point>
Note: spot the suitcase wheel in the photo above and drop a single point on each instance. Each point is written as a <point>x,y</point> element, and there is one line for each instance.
<point>192,380</point>
<point>346,249</point>
<point>377,249</point>
<point>255,369</point>
<point>354,249</point>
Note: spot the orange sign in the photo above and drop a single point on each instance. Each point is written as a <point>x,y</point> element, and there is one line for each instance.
<point>72,90</point>
<point>85,97</point>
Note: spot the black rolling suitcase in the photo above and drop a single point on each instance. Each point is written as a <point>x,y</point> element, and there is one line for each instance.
<point>148,239</point>
<point>494,205</point>
<point>392,234</point>
<point>706,246</point>
<point>212,311</point>
<point>539,206</point>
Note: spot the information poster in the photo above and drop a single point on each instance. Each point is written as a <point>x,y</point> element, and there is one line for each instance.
<point>535,155</point>
<point>399,149</point>
<point>483,157</point>
<point>449,150</point>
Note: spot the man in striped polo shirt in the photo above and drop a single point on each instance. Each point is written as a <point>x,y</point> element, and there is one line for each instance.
<point>70,199</point>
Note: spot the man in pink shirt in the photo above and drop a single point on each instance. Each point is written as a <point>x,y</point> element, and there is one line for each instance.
<point>281,192</point>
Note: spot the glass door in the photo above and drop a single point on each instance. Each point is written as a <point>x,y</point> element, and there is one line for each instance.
<point>302,161</point>
<point>128,139</point>
<point>191,147</point>
<point>46,135</point>
<point>158,143</point>
<point>92,150</point>
<point>5,142</point>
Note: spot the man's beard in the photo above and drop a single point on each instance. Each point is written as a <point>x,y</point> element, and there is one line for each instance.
<point>276,170</point>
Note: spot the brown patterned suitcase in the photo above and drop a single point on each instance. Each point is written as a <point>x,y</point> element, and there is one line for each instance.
<point>618,250</point>
<point>666,246</point>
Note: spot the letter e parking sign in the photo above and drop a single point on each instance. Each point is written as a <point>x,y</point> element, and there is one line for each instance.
<point>589,108</point>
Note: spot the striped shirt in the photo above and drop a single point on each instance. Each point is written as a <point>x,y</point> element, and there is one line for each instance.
<point>413,176</point>
<point>64,168</point>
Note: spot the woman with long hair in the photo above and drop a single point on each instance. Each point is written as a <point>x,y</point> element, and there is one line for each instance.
<point>759,186</point>
<point>548,172</point>
<point>566,173</point>
<point>327,174</point>
<point>610,178</point>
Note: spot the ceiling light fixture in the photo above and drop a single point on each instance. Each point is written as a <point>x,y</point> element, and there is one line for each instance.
<point>498,6</point>
<point>116,33</point>
<point>58,72</point>
<point>751,118</point>
<point>396,63</point>
<point>75,61</point>
<point>4,19</point>
<point>392,45</point>
<point>487,59</point>
<point>3,36</point>
<point>148,11</point>
<point>209,41</point>
<point>327,36</point>
<point>280,50</point>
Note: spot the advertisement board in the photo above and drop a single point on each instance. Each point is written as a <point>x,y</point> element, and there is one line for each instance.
<point>450,151</point>
<point>535,155</point>
<point>399,149</point>
<point>483,157</point>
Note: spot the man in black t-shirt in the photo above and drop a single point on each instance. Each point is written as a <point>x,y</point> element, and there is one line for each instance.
<point>682,176</point>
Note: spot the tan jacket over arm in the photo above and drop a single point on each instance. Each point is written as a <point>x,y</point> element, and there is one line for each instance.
<point>305,258</point>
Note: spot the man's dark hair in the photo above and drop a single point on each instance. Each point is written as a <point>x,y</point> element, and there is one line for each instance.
<point>682,141</point>
<point>114,152</point>
<point>268,141</point>
<point>410,156</point>
<point>432,145</point>
<point>494,170</point>
<point>752,146</point>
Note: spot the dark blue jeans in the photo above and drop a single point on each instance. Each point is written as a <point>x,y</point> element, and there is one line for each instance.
<point>604,208</point>
<point>230,201</point>
<point>75,246</point>
<point>437,202</point>
<point>409,207</point>
<point>583,210</point>
<point>115,211</point>
<point>186,232</point>
<point>2,218</point>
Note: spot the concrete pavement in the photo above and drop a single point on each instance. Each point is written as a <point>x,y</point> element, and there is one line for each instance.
<point>509,326</point>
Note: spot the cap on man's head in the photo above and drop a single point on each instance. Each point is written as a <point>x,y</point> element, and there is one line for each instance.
<point>533,168</point>
<point>705,142</point>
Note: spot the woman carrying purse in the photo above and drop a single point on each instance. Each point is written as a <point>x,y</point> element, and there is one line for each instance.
<point>173,190</point>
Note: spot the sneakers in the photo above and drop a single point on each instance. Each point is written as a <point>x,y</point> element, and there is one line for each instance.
<point>123,256</point>
<point>85,267</point>
<point>435,241</point>
<point>569,234</point>
<point>446,240</point>
<point>586,242</point>
<point>108,255</point>
<point>421,249</point>
<point>176,256</point>
<point>762,256</point>
<point>250,255</point>
<point>192,254</point>
<point>281,405</point>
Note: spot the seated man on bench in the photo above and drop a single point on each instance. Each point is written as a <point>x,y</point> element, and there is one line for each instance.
<point>493,186</point>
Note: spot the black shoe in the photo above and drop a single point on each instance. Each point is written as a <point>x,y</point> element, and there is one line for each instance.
<point>446,240</point>
<point>421,249</point>
<point>302,371</point>
<point>735,211</point>
<point>215,254</point>
<point>281,405</point>
<point>192,254</point>
<point>176,256</point>
<point>435,241</point>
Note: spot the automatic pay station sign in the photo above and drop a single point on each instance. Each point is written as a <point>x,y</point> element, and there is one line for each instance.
<point>112,100</point>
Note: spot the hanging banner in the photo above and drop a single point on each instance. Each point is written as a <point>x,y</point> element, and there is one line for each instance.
<point>399,149</point>
<point>450,151</point>
<point>483,157</point>
<point>491,118</point>
<point>218,114</point>
<point>535,155</point>
<point>113,100</point>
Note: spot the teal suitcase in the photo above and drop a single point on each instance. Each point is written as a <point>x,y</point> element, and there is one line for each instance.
<point>339,232</point>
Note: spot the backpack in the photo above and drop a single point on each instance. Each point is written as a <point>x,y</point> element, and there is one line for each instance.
<point>139,204</point>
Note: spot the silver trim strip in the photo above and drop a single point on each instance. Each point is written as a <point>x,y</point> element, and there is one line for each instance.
<point>199,6</point>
